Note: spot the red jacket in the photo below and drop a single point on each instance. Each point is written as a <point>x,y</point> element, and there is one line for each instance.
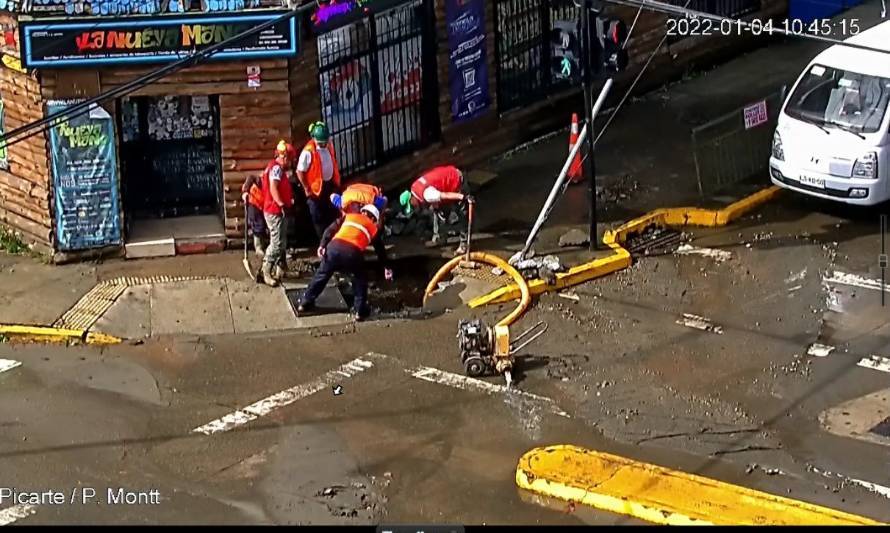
<point>443,179</point>
<point>285,190</point>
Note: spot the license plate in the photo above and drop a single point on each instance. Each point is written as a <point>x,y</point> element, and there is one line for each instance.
<point>813,182</point>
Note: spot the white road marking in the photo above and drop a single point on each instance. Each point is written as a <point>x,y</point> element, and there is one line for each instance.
<point>819,350</point>
<point>699,322</point>
<point>434,375</point>
<point>8,364</point>
<point>16,512</point>
<point>873,487</point>
<point>286,397</point>
<point>796,277</point>
<point>853,280</point>
<point>717,255</point>
<point>875,362</point>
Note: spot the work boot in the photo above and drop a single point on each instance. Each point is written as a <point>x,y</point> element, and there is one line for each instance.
<point>280,272</point>
<point>267,276</point>
<point>259,246</point>
<point>305,308</point>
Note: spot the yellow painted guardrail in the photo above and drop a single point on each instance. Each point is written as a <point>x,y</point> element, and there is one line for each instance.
<point>675,217</point>
<point>660,495</point>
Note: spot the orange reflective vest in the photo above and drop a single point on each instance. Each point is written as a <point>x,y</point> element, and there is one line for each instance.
<point>255,197</point>
<point>357,229</point>
<point>313,175</point>
<point>359,193</point>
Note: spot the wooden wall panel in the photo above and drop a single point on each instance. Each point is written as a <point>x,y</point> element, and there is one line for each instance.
<point>25,201</point>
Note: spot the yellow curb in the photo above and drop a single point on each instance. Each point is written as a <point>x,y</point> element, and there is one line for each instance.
<point>660,495</point>
<point>673,217</point>
<point>55,335</point>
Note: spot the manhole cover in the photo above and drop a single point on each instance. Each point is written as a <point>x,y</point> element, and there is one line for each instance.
<point>330,301</point>
<point>882,429</point>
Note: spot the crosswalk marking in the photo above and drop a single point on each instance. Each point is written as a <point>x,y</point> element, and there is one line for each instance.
<point>875,362</point>
<point>842,278</point>
<point>434,375</point>
<point>286,397</point>
<point>8,364</point>
<point>16,512</point>
<point>699,322</point>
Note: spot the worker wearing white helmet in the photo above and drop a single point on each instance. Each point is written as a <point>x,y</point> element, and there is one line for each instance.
<point>342,250</point>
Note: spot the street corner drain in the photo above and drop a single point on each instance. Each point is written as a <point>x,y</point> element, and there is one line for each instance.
<point>654,241</point>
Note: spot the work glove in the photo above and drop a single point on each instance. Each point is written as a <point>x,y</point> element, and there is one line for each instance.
<point>387,274</point>
<point>320,252</point>
<point>244,198</point>
<point>470,199</point>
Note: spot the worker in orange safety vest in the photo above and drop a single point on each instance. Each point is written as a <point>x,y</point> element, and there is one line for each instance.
<point>356,195</point>
<point>252,196</point>
<point>319,175</point>
<point>342,250</point>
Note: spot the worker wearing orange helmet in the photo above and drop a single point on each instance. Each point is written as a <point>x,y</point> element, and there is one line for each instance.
<point>278,197</point>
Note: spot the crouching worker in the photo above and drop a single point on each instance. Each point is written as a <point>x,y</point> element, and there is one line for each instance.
<point>437,189</point>
<point>351,201</point>
<point>342,250</point>
<point>252,195</point>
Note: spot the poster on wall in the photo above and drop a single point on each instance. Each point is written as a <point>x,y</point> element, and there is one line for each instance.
<point>468,66</point>
<point>84,168</point>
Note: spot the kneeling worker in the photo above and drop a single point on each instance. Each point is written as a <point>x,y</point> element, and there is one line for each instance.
<point>444,185</point>
<point>353,198</point>
<point>342,250</point>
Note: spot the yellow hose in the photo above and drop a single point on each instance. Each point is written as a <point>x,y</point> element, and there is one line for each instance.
<point>493,260</point>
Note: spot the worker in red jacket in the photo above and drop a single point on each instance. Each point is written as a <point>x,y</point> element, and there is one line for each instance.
<point>342,249</point>
<point>436,188</point>
<point>278,197</point>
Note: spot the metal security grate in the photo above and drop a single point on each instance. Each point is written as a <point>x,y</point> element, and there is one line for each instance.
<point>378,86</point>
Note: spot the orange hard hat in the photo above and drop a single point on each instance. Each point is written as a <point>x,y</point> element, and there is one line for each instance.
<point>286,149</point>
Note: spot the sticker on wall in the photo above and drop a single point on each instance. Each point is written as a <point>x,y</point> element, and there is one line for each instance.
<point>253,77</point>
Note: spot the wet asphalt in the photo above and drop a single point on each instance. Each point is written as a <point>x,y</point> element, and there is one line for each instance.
<point>742,405</point>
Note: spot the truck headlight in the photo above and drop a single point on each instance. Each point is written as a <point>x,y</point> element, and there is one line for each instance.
<point>778,152</point>
<point>866,166</point>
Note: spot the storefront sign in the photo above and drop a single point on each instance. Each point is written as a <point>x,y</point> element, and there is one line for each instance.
<point>54,44</point>
<point>84,167</point>
<point>331,14</point>
<point>468,68</point>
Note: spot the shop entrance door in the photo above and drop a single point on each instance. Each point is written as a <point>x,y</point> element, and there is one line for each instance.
<point>170,156</point>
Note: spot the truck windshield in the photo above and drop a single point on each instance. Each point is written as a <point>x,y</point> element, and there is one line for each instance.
<point>847,100</point>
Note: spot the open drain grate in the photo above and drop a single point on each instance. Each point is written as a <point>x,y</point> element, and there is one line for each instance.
<point>654,241</point>
<point>882,429</point>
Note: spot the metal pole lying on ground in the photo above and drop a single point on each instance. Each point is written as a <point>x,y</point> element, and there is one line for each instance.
<point>560,180</point>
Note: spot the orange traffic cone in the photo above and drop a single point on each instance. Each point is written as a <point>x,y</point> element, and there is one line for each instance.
<point>576,172</point>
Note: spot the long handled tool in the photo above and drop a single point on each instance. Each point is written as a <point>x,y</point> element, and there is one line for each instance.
<point>246,262</point>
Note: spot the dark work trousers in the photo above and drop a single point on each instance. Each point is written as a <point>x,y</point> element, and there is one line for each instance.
<point>321,210</point>
<point>347,259</point>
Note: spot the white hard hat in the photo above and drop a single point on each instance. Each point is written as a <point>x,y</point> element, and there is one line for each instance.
<point>371,210</point>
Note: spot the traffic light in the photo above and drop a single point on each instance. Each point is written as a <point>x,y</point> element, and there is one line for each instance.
<point>612,33</point>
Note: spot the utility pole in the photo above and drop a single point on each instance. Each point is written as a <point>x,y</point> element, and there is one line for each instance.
<point>592,61</point>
